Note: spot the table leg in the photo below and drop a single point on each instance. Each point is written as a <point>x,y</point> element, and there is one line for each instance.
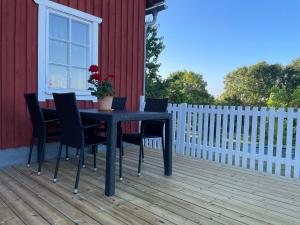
<point>110,158</point>
<point>168,149</point>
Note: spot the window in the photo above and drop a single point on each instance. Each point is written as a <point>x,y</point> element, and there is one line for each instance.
<point>68,45</point>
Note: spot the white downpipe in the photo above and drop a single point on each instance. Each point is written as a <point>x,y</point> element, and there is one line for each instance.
<point>147,24</point>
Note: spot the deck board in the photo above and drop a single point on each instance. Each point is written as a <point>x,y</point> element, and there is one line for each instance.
<point>198,192</point>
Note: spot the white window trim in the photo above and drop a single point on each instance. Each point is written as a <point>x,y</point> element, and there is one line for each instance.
<point>44,5</point>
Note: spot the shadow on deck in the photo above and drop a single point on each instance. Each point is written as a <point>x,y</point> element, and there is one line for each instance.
<point>199,192</point>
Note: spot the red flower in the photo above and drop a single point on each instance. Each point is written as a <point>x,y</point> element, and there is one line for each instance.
<point>93,68</point>
<point>96,76</point>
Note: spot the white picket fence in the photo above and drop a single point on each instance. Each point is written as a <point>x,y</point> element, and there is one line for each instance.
<point>266,140</point>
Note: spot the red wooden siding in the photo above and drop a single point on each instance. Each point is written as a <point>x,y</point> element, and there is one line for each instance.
<point>121,52</point>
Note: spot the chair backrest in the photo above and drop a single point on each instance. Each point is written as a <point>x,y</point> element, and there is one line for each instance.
<point>119,103</point>
<point>36,115</point>
<point>156,105</point>
<point>69,117</point>
<point>154,127</point>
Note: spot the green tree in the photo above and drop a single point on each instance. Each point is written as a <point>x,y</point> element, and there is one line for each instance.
<point>154,47</point>
<point>291,77</point>
<point>278,97</point>
<point>295,98</point>
<point>187,87</point>
<point>251,85</point>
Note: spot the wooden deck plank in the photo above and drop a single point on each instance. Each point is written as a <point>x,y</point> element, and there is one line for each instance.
<point>207,180</point>
<point>65,208</point>
<point>269,190</point>
<point>49,213</point>
<point>225,177</point>
<point>234,195</point>
<point>19,207</point>
<point>7,217</point>
<point>213,203</point>
<point>151,206</point>
<point>198,192</point>
<point>130,194</point>
<point>222,169</point>
<point>78,201</point>
<point>117,207</point>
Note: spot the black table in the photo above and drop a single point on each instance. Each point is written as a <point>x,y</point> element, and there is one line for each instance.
<point>112,118</point>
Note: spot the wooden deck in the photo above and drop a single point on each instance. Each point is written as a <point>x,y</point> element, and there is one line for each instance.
<point>199,192</point>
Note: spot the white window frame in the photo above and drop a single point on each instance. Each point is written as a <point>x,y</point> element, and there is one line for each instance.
<point>46,7</point>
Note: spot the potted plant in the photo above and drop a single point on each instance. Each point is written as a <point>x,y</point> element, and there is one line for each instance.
<point>101,87</point>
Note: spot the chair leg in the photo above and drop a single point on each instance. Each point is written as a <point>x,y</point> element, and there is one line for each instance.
<point>42,147</point>
<point>77,153</point>
<point>67,153</point>
<point>57,163</point>
<point>121,161</point>
<point>142,144</point>
<point>78,170</point>
<point>30,151</point>
<point>95,158</point>
<point>83,165</point>
<point>140,159</point>
<point>163,147</point>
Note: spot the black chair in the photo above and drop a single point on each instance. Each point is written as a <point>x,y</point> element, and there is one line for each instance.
<point>118,104</point>
<point>149,129</point>
<point>73,132</point>
<point>40,129</point>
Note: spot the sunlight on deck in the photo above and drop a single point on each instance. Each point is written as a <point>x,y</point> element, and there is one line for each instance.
<point>198,192</point>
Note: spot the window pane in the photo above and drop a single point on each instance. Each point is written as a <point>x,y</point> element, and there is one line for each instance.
<point>79,56</point>
<point>58,76</point>
<point>78,79</point>
<point>58,27</point>
<point>58,52</point>
<point>80,32</point>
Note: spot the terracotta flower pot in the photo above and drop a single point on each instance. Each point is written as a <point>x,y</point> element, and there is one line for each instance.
<point>105,103</point>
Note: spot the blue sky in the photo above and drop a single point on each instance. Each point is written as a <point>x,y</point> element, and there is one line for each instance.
<point>213,37</point>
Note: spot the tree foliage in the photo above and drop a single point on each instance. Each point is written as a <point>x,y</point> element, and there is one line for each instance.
<point>154,47</point>
<point>252,85</point>
<point>188,87</point>
<point>263,84</point>
<point>278,97</point>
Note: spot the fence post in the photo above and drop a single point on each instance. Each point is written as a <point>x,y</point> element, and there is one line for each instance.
<point>195,107</point>
<point>297,148</point>
<point>224,134</point>
<point>182,127</point>
<point>281,113</point>
<point>238,136</point>
<point>231,134</point>
<point>246,137</point>
<point>200,127</point>
<point>218,134</point>
<point>270,140</point>
<point>211,133</point>
<point>188,130</point>
<point>253,138</point>
<point>262,136</point>
<point>289,140</point>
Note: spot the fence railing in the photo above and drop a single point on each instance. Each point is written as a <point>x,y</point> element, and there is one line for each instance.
<point>266,140</point>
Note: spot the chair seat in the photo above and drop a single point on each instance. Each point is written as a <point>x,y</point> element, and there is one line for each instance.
<point>53,134</point>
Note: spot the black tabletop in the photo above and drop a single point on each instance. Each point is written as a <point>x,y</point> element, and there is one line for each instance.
<point>117,115</point>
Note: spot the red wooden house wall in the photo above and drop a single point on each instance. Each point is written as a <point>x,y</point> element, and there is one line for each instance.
<point>121,52</point>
